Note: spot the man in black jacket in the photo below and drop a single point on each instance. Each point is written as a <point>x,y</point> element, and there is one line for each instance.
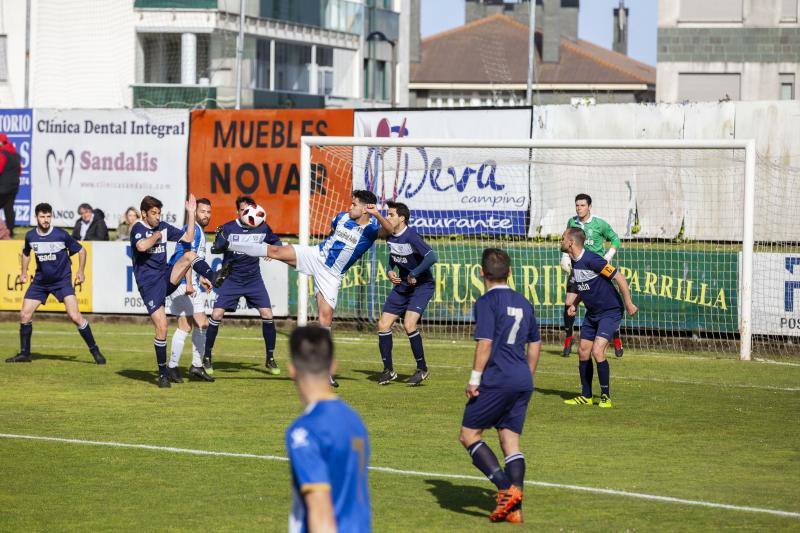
<point>10,169</point>
<point>91,226</point>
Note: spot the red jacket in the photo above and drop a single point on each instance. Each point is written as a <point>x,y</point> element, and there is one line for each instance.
<point>10,166</point>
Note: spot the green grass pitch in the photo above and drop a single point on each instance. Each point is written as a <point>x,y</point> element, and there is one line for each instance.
<point>711,430</point>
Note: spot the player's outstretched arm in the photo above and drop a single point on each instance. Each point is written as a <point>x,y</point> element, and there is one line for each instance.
<point>482,352</point>
<point>534,350</point>
<point>622,283</point>
<point>386,226</point>
<point>191,211</point>
<point>320,511</point>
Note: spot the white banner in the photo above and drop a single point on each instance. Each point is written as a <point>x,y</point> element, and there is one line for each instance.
<point>449,190</point>
<point>109,159</point>
<point>776,294</point>
<point>118,292</point>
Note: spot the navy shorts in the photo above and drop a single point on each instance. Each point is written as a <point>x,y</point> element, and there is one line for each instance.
<point>40,291</point>
<point>253,291</point>
<point>497,409</point>
<point>600,326</point>
<point>155,295</point>
<point>409,298</point>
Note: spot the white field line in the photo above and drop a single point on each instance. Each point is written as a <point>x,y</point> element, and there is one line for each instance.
<point>544,372</point>
<point>388,470</point>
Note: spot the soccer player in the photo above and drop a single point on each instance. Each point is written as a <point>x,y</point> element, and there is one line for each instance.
<point>352,233</point>
<point>328,445</point>
<point>501,383</point>
<point>189,303</point>
<point>245,281</point>
<point>598,232</point>
<point>413,289</point>
<point>592,275</point>
<point>155,279</point>
<point>52,248</point>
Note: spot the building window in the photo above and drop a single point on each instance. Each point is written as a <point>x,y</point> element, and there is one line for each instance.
<point>787,87</point>
<point>701,87</point>
<point>162,57</point>
<point>724,11</point>
<point>261,79</point>
<point>292,67</point>
<point>366,79</point>
<point>788,10</point>
<point>3,58</point>
<point>380,80</point>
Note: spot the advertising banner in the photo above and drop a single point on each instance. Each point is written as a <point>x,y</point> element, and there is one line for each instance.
<point>109,159</point>
<point>449,190</point>
<point>257,153</point>
<point>12,290</point>
<point>119,294</point>
<point>17,124</point>
<point>674,291</point>
<point>776,294</point>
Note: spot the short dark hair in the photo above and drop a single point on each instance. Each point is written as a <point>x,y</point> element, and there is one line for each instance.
<point>84,206</point>
<point>401,208</point>
<point>365,197</point>
<point>311,350</point>
<point>496,264</point>
<point>577,234</point>
<point>43,208</point>
<point>149,202</point>
<point>246,199</point>
<point>204,201</point>
<point>584,196</point>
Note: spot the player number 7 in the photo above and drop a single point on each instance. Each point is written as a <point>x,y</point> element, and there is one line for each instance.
<point>516,312</point>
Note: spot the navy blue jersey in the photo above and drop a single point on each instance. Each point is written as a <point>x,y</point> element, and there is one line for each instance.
<point>506,318</point>
<point>245,267</point>
<point>592,275</point>
<point>149,266</point>
<point>52,250</point>
<point>328,449</point>
<point>406,251</point>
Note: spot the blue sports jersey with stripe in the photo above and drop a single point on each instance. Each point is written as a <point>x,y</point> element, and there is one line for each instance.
<point>347,242</point>
<point>52,251</point>
<point>150,266</point>
<point>592,275</point>
<point>244,267</point>
<point>329,450</point>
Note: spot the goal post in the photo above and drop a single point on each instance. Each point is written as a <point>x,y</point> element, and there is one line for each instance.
<point>553,162</point>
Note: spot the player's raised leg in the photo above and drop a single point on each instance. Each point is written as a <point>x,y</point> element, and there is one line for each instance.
<point>385,343</point>
<point>29,307</point>
<point>74,314</point>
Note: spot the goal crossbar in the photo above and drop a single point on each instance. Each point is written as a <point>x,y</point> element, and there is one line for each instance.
<point>748,145</point>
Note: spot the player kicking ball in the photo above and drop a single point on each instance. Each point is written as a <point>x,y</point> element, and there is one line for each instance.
<point>413,289</point>
<point>598,232</point>
<point>353,232</point>
<point>155,279</point>
<point>52,248</point>
<point>189,303</point>
<point>592,275</point>
<point>244,281</point>
<point>501,383</point>
<point>328,445</point>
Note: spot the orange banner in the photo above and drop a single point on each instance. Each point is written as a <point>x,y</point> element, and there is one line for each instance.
<point>257,153</point>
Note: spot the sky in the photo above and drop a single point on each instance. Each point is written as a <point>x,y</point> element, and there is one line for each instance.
<point>595,21</point>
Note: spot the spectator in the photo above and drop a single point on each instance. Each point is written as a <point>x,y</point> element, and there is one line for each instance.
<point>128,220</point>
<point>91,226</point>
<point>10,169</point>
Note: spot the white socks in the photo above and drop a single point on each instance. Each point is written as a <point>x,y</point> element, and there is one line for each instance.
<point>198,346</point>
<point>178,340</point>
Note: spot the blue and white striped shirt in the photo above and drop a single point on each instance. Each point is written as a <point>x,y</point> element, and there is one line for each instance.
<point>198,246</point>
<point>347,242</point>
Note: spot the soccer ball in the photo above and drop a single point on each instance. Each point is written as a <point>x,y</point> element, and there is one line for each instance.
<point>254,216</point>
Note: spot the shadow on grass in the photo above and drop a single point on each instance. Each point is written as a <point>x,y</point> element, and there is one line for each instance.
<point>373,375</point>
<point>63,358</point>
<point>555,392</point>
<point>463,499</point>
<point>149,376</point>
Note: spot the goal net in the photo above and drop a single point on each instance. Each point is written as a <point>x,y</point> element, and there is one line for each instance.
<point>708,271</point>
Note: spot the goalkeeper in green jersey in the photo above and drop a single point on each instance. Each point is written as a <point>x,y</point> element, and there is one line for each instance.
<point>598,232</point>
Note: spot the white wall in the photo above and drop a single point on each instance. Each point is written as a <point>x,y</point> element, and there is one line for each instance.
<point>12,24</point>
<point>759,81</point>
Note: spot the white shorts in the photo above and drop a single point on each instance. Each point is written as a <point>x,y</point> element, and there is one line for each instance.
<point>326,283</point>
<point>183,304</point>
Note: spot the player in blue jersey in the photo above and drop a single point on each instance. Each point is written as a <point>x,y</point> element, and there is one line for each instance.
<point>592,276</point>
<point>155,278</point>
<point>328,445</point>
<point>244,281</point>
<point>413,289</point>
<point>352,233</point>
<point>188,303</point>
<point>501,383</point>
<point>52,248</point>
